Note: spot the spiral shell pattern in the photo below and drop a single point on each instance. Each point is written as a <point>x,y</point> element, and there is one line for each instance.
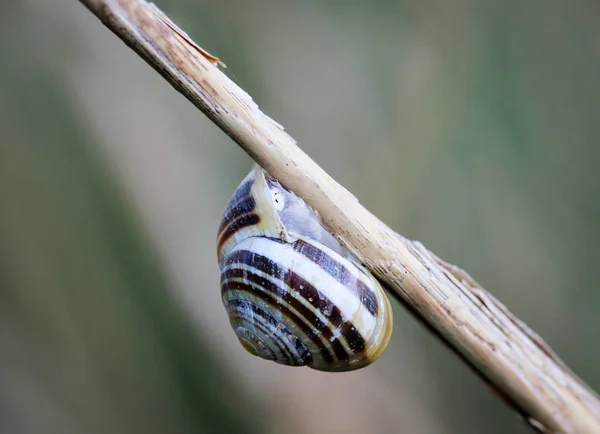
<point>292,293</point>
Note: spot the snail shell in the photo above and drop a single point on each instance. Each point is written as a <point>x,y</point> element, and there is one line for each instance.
<point>293,294</point>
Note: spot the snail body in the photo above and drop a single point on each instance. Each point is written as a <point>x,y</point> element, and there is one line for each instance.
<point>293,294</point>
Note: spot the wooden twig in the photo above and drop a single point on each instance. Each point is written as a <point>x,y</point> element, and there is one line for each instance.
<point>501,349</point>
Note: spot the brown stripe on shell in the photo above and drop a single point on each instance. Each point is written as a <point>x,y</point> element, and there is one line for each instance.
<point>241,222</point>
<point>243,287</point>
<point>238,205</point>
<point>311,326</point>
<point>340,273</point>
<point>317,300</point>
<point>310,293</point>
<point>291,279</point>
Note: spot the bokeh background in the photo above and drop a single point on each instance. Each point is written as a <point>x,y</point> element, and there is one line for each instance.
<point>471,126</point>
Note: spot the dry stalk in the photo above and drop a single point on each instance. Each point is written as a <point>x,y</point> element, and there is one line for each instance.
<point>512,359</point>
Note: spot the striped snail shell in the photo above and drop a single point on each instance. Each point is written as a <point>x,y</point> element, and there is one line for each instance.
<point>293,294</point>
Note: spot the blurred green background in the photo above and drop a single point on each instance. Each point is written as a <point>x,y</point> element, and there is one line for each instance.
<point>471,126</point>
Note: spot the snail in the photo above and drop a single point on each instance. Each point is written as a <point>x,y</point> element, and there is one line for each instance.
<point>293,294</point>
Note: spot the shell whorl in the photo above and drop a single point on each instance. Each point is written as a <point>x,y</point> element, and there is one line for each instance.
<point>293,294</point>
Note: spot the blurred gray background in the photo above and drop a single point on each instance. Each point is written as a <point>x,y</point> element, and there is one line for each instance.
<point>470,126</point>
